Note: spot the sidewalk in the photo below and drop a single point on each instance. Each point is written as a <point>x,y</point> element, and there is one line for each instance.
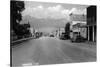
<point>90,43</point>
<point>87,44</point>
<point>20,41</point>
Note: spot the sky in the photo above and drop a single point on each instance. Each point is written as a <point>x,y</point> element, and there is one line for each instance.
<point>52,10</point>
<point>46,14</point>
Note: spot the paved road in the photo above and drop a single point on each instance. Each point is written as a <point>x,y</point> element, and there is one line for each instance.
<point>46,50</point>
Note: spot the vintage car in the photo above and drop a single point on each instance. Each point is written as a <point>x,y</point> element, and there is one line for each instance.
<point>78,38</point>
<point>64,36</point>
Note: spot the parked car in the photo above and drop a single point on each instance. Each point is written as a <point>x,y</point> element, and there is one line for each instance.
<point>78,38</point>
<point>64,36</point>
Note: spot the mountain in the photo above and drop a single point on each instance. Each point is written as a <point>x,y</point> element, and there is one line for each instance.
<point>44,24</point>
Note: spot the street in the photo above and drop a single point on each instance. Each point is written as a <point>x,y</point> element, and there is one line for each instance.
<point>50,50</point>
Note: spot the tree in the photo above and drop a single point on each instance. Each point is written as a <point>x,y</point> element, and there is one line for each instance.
<point>16,7</point>
<point>67,30</point>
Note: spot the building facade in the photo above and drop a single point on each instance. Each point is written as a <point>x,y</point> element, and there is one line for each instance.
<point>77,26</point>
<point>91,23</point>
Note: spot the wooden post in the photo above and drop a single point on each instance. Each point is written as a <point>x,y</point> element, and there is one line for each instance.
<point>93,33</point>
<point>88,34</point>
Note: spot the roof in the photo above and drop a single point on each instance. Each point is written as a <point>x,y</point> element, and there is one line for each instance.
<point>76,17</point>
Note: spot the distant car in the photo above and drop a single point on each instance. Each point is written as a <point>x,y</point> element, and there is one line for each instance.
<point>37,35</point>
<point>51,35</point>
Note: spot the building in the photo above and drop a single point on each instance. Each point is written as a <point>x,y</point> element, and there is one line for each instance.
<point>77,26</point>
<point>91,23</point>
<point>60,31</point>
<point>80,29</point>
<point>32,31</point>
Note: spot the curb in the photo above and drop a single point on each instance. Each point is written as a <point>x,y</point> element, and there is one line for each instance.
<point>20,40</point>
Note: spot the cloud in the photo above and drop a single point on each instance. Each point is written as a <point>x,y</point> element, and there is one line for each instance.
<point>54,12</point>
<point>78,11</point>
<point>55,8</point>
<point>41,7</point>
